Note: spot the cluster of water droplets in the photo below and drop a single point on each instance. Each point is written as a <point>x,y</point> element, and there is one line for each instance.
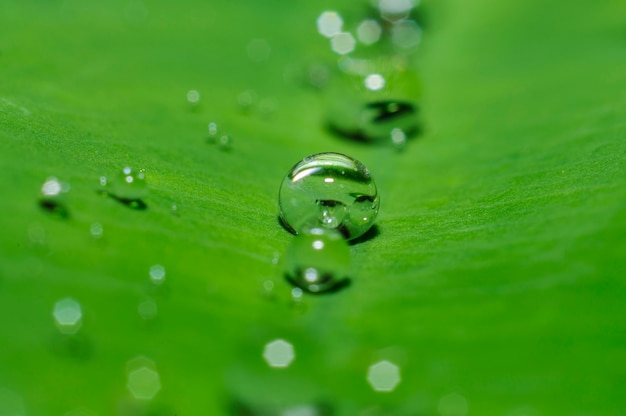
<point>373,91</point>
<point>326,200</point>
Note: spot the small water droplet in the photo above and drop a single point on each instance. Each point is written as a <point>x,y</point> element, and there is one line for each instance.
<point>318,261</point>
<point>374,82</point>
<point>212,129</point>
<point>143,380</point>
<point>225,142</point>
<point>68,316</point>
<point>406,34</point>
<point>279,353</point>
<point>53,197</point>
<point>329,190</point>
<point>157,274</point>
<point>128,188</point>
<point>193,97</point>
<point>383,376</point>
<point>246,100</point>
<point>147,309</point>
<point>329,24</point>
<point>96,230</point>
<point>343,43</point>
<point>369,31</point>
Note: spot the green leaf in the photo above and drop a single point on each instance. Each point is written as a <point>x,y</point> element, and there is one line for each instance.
<point>495,281</point>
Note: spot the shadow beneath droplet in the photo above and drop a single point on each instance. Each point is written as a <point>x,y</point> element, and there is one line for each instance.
<point>136,204</point>
<point>286,226</point>
<point>335,287</point>
<point>77,347</point>
<point>360,136</point>
<point>54,208</point>
<point>370,234</point>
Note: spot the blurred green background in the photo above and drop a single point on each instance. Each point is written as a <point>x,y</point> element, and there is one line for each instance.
<point>495,282</point>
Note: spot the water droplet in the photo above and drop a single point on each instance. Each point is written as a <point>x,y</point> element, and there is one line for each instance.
<point>143,380</point>
<point>193,97</point>
<point>212,129</point>
<point>296,294</point>
<point>369,31</point>
<point>279,353</point>
<point>128,188</point>
<point>329,190</point>
<point>384,376</point>
<point>147,309</point>
<point>68,316</point>
<point>329,24</point>
<point>395,10</point>
<point>374,82</point>
<point>376,121</point>
<point>157,274</point>
<point>406,34</point>
<point>318,261</point>
<point>53,197</point>
<point>225,142</point>
<point>96,230</point>
<point>342,43</point>
<point>246,100</point>
<point>398,138</point>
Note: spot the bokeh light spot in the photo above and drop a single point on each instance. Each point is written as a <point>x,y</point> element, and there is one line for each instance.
<point>279,353</point>
<point>383,376</point>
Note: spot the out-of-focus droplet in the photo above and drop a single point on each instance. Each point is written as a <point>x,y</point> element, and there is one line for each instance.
<point>68,316</point>
<point>342,43</point>
<point>193,97</point>
<point>406,34</point>
<point>329,24</point>
<point>53,197</point>
<point>369,31</point>
<point>143,380</point>
<point>147,309</point>
<point>279,353</point>
<point>374,82</point>
<point>96,230</point>
<point>318,261</point>
<point>395,10</point>
<point>383,376</point>
<point>157,274</point>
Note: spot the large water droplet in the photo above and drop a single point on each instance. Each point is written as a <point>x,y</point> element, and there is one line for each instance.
<point>329,190</point>
<point>318,261</point>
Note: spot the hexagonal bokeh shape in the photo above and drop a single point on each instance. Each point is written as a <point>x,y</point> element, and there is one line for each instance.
<point>143,383</point>
<point>343,43</point>
<point>279,353</point>
<point>329,24</point>
<point>383,376</point>
<point>68,316</point>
